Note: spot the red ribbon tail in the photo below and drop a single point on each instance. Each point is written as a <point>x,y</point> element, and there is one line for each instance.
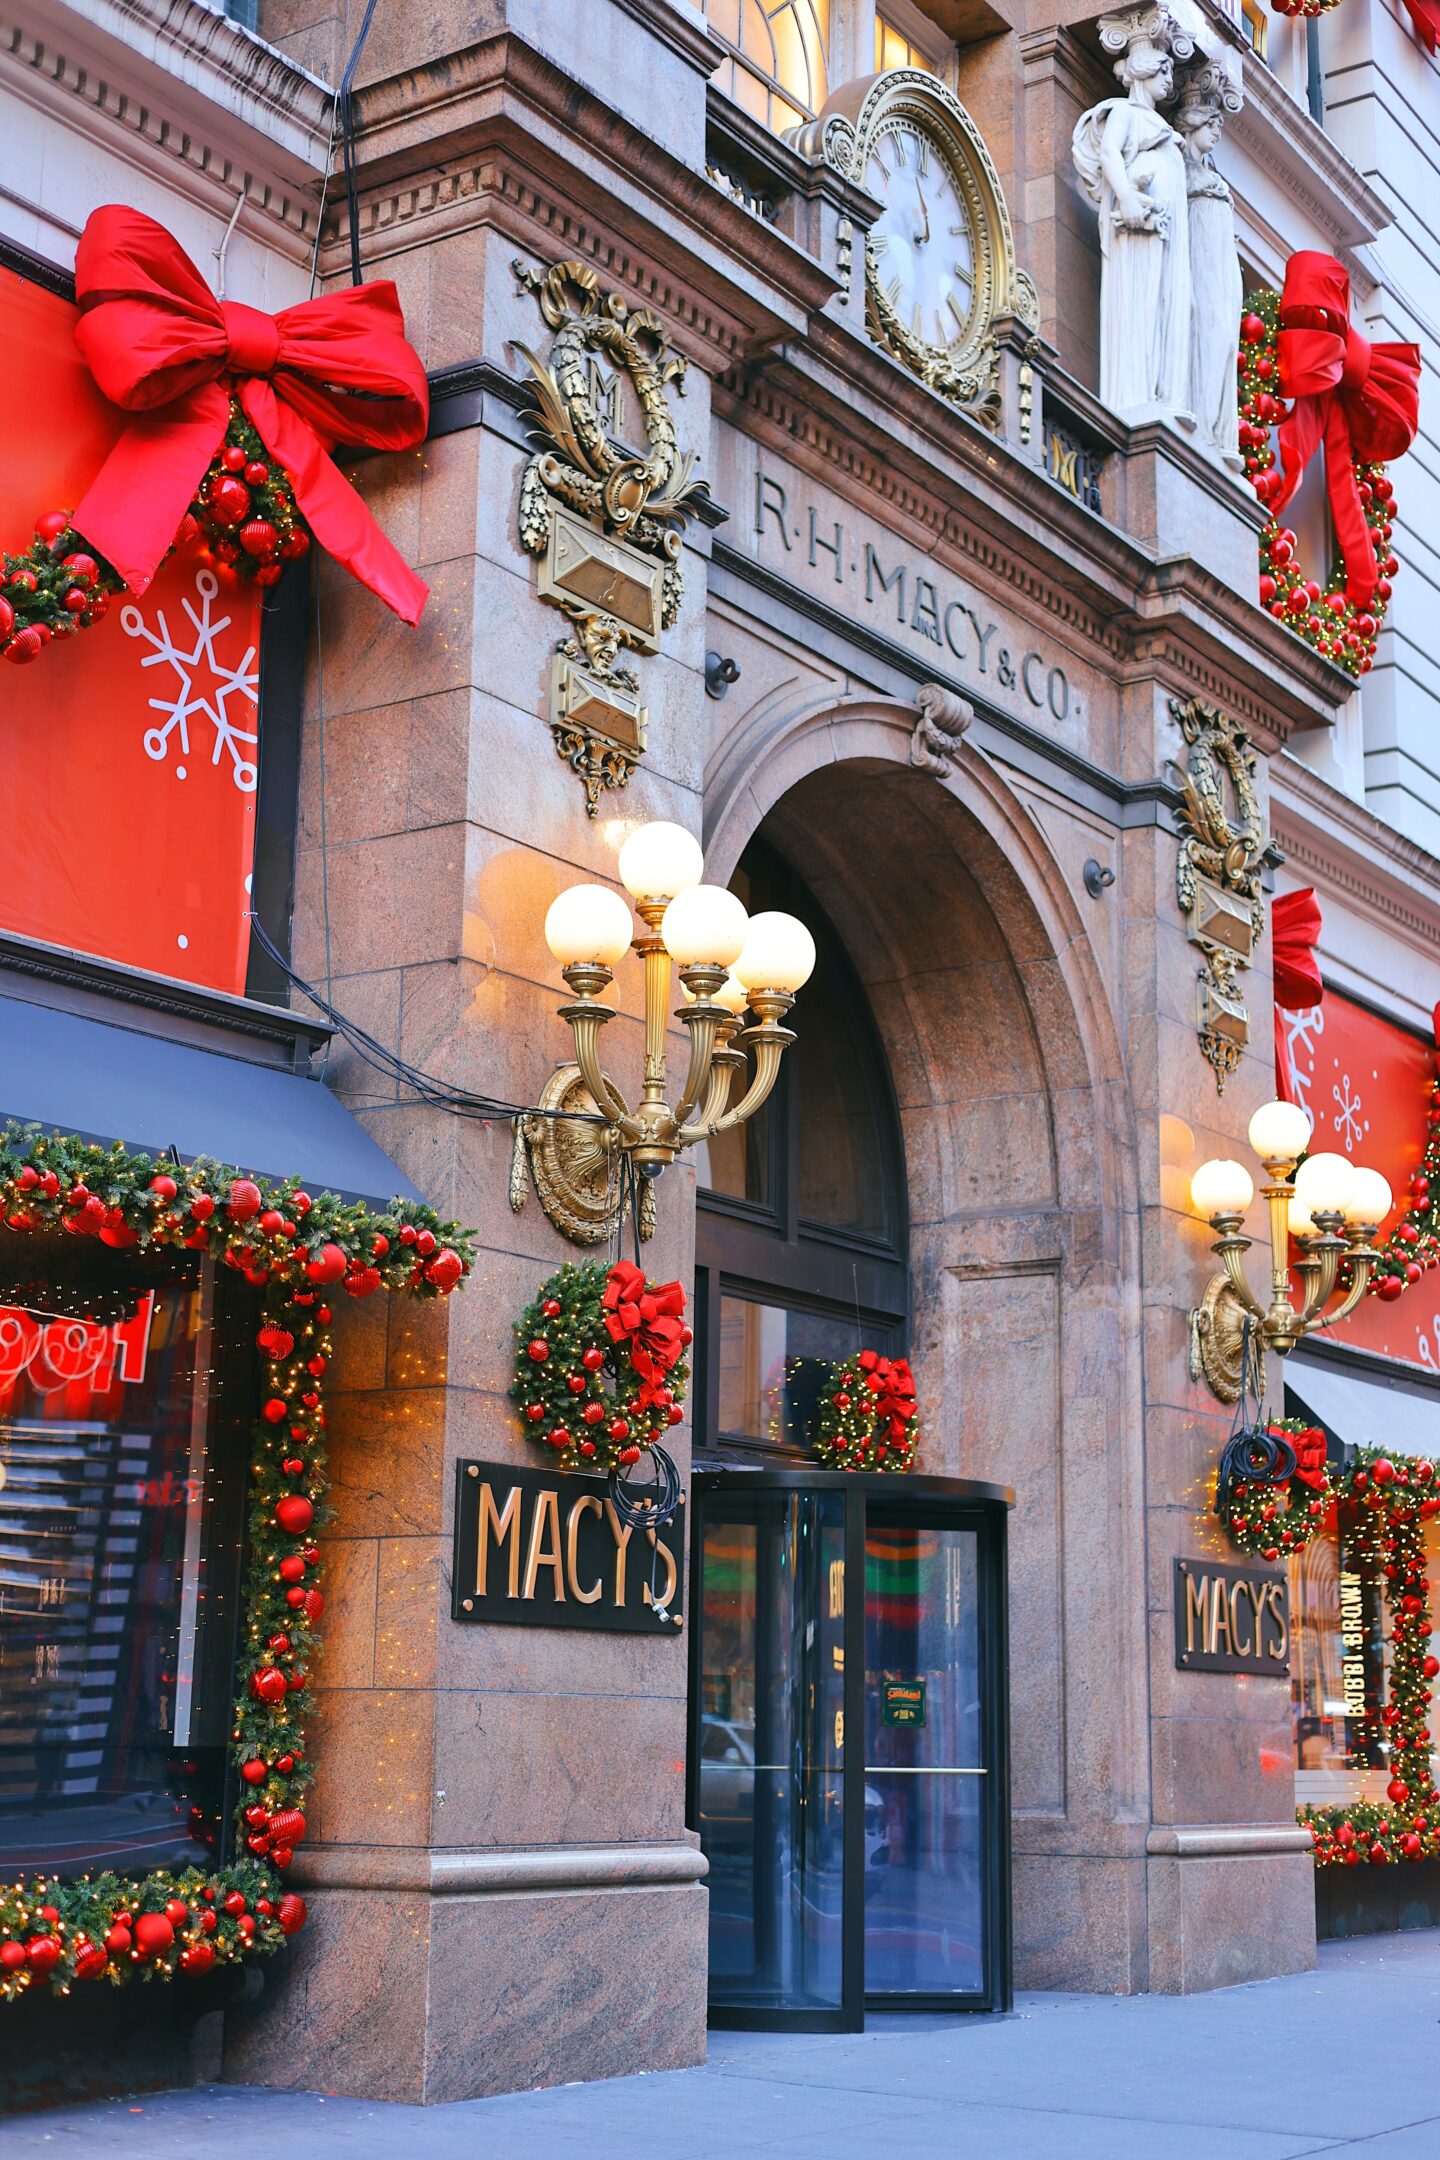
<point>1300,432</point>
<point>1347,510</point>
<point>334,512</point>
<point>1284,1083</point>
<point>131,511</point>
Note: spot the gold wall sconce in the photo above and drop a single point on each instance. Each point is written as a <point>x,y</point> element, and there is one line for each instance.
<point>1330,1206</point>
<point>586,1130</point>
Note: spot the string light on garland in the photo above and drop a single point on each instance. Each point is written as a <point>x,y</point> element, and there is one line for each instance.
<point>1413,1246</point>
<point>600,1367</point>
<point>300,1251</point>
<point>868,1418</point>
<point>1385,1501</point>
<point>1320,614</point>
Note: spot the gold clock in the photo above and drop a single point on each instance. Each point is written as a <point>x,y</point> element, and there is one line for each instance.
<point>940,258</point>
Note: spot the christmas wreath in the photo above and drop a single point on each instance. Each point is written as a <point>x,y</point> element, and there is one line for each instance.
<point>600,1368</point>
<point>244,514</point>
<point>1275,1515</point>
<point>1341,628</point>
<point>300,1251</point>
<point>868,1418</point>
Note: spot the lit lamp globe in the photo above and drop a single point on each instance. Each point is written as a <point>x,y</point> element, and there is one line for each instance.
<point>1371,1200</point>
<point>1301,1221</point>
<point>1279,1131</point>
<point>1325,1184</point>
<point>589,923</point>
<point>732,994</point>
<point>659,860</point>
<point>779,954</point>
<point>705,926</point>
<point>1221,1188</point>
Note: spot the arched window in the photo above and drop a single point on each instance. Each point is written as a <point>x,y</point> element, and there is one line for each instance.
<point>801,1233</point>
<point>776,63</point>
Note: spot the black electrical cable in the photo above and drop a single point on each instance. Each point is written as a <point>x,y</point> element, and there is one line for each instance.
<point>440,1094</point>
<point>346,111</point>
<point>1252,1455</point>
<point>650,1507</point>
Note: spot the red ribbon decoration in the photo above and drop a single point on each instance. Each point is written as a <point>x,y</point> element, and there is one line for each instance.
<point>649,1320</point>
<point>1294,933</point>
<point>1361,400</point>
<point>1425,14</point>
<point>895,1403</point>
<point>334,369</point>
<point>1309,1449</point>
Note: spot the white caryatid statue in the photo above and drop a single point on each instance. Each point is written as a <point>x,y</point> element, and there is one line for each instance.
<point>1131,164</point>
<point>1217,290</point>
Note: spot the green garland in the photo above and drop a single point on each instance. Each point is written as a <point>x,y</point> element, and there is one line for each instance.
<point>1321,615</point>
<point>577,1386</point>
<point>299,1250</point>
<point>1390,1498</point>
<point>867,1415</point>
<point>1413,1246</point>
<point>244,511</point>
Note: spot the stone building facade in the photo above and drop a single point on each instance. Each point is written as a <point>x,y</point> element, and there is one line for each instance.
<point>929,653</point>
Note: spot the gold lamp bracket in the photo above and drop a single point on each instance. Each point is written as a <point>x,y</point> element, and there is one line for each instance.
<point>1217,1339</point>
<point>576,1175</point>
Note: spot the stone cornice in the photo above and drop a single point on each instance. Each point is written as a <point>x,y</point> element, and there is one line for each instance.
<point>1281,137</point>
<point>499,134</point>
<point>185,93</point>
<point>1384,877</point>
<point>997,518</point>
<point>684,33</point>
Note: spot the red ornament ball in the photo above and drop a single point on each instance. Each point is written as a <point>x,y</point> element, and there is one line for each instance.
<point>327,1265</point>
<point>294,1513</point>
<point>551,1307</point>
<point>593,1359</point>
<point>253,1772</point>
<point>154,1934</point>
<point>538,1350</point>
<point>292,1913</point>
<point>267,1684</point>
<point>12,1956</point>
<point>244,1200</point>
<point>44,1952</point>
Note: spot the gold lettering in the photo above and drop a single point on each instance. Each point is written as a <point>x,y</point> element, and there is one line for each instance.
<point>1282,1632</point>
<point>667,1589</point>
<point>621,1536</point>
<point>547,1512</point>
<point>572,1539</point>
<point>1197,1607</point>
<point>506,1524</point>
<point>1250,1646</point>
<point>1219,1620</point>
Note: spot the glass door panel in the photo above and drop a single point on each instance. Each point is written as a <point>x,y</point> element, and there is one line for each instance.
<point>925,1765</point>
<point>769,1748</point>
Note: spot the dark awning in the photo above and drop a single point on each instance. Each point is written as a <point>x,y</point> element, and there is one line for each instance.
<point>1367,1412</point>
<point>73,1074</point>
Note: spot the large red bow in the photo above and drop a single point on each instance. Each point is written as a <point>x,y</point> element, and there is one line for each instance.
<point>158,342</point>
<point>895,1403</point>
<point>1294,934</point>
<point>1361,400</point>
<point>1425,14</point>
<point>649,1318</point>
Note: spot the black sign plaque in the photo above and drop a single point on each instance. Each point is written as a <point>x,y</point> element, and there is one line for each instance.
<point>535,1548</point>
<point>1231,1619</point>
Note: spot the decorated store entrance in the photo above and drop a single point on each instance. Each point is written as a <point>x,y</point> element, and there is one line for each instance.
<point>848,1771</point>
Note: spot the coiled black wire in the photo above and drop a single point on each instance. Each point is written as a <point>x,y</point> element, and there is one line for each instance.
<point>650,1507</point>
<point>1252,1455</point>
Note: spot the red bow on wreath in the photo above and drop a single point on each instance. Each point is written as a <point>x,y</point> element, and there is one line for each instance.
<point>1309,1449</point>
<point>650,1321</point>
<point>1294,934</point>
<point>1361,400</point>
<point>895,1403</point>
<point>334,369</point>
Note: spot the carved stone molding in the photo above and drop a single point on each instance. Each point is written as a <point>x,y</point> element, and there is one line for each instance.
<point>604,521</point>
<point>944,718</point>
<point>1219,871</point>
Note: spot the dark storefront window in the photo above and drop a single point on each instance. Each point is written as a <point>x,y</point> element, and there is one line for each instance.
<point>801,1230</point>
<point>121,1505</point>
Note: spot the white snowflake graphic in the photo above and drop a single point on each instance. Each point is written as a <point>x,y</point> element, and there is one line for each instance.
<point>1427,1348</point>
<point>1350,1127</point>
<point>1302,1031</point>
<point>205,683</point>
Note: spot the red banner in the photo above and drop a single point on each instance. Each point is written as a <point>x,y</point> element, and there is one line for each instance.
<point>130,754</point>
<point>1363,1081</point>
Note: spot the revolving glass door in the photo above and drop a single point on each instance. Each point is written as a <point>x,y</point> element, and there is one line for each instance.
<point>848,1774</point>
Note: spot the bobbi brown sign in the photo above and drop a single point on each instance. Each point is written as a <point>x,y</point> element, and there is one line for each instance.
<point>1231,1619</point>
<point>535,1548</point>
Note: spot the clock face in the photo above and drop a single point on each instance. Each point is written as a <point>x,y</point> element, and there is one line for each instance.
<point>923,246</point>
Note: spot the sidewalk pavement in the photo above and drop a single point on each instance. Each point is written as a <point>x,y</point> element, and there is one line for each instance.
<point>1342,2061</point>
